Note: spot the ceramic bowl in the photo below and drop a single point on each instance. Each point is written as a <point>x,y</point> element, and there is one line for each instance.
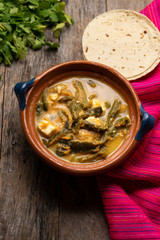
<point>29,92</point>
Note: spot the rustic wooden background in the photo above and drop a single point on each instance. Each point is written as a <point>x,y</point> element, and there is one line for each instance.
<point>36,202</point>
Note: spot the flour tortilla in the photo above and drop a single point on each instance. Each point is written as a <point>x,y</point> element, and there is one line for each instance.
<point>124,40</point>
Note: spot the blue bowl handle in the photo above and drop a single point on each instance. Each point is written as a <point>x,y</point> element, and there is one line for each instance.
<point>147,124</point>
<point>20,91</point>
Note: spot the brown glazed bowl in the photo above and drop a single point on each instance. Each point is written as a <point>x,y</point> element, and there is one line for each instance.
<point>29,92</point>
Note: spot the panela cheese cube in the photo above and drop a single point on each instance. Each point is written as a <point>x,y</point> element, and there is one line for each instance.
<point>46,127</point>
<point>98,103</point>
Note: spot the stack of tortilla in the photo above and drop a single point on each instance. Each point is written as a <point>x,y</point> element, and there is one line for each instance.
<point>124,40</point>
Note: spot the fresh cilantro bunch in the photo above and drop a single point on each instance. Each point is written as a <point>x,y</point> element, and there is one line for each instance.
<point>22,24</point>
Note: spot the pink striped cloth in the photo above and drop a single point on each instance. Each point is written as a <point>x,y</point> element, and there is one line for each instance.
<point>131,191</point>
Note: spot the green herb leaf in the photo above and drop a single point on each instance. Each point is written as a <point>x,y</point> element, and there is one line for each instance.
<point>52,45</point>
<point>57,29</point>
<point>37,44</point>
<point>22,25</point>
<point>58,7</point>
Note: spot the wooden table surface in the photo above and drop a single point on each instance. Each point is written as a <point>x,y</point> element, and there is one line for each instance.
<point>36,202</point>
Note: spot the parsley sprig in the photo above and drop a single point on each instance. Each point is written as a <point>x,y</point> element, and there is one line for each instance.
<point>22,25</point>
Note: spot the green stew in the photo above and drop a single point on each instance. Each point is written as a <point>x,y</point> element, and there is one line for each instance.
<point>82,119</point>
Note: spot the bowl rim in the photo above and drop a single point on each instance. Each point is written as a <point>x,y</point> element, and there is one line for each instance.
<point>79,168</point>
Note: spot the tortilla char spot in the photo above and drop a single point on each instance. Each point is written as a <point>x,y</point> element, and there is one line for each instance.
<point>145,32</point>
<point>113,49</point>
<point>123,67</point>
<point>129,35</point>
<point>86,49</point>
<point>141,66</point>
<point>122,57</point>
<point>107,35</point>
